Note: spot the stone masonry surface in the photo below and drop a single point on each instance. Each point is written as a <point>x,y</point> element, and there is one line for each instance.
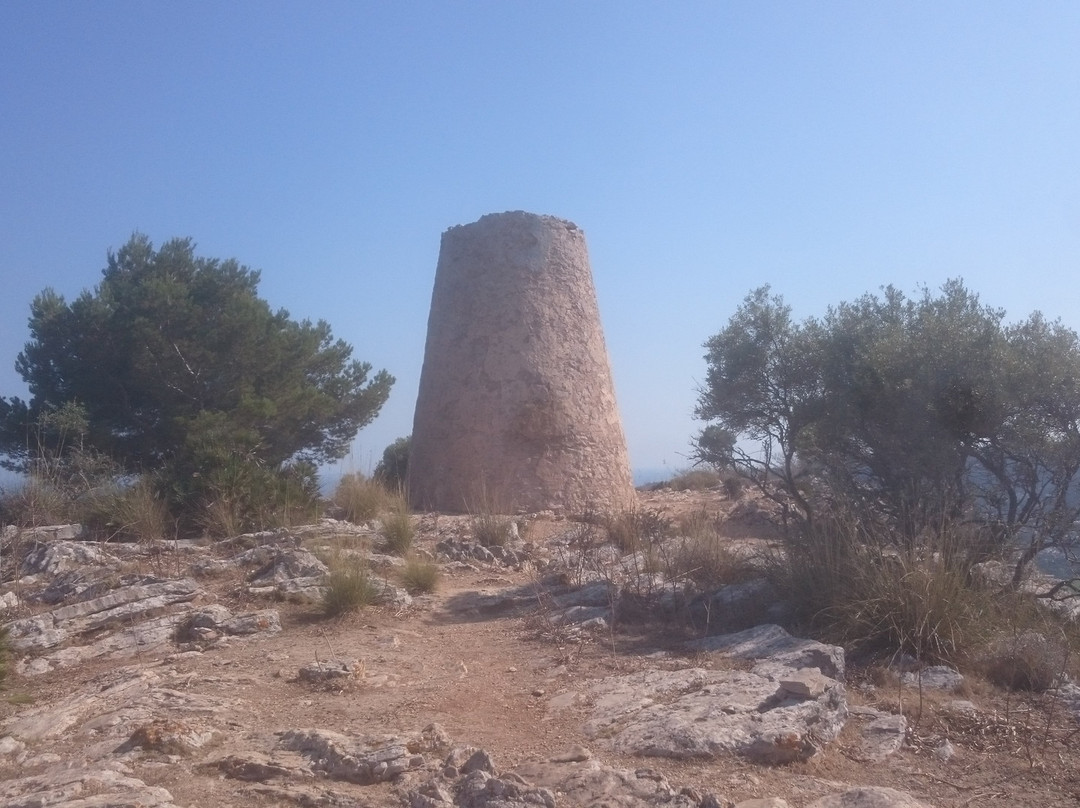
<point>516,409</point>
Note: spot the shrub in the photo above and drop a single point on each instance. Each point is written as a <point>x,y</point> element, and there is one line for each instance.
<point>733,484</point>
<point>349,587</point>
<point>858,585</point>
<point>632,531</point>
<point>1030,661</point>
<point>394,464</point>
<point>491,530</point>
<point>361,499</point>
<point>241,496</point>
<point>419,576</point>
<point>37,502</point>
<point>709,563</point>
<point>397,530</point>
<point>137,513</point>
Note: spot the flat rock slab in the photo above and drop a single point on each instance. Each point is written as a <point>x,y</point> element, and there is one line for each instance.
<point>118,608</point>
<point>936,677</point>
<point>699,713</point>
<point>84,787</point>
<point>592,783</point>
<point>868,797</point>
<point>546,784</point>
<point>108,708</point>
<point>774,649</point>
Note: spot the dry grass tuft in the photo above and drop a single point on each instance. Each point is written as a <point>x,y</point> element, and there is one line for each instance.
<point>397,530</point>
<point>348,588</point>
<point>420,576</point>
<point>361,499</point>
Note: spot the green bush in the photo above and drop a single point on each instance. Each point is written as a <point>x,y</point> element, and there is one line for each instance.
<point>134,513</point>
<point>394,464</point>
<point>419,576</point>
<point>173,355</point>
<point>348,588</point>
<point>241,496</point>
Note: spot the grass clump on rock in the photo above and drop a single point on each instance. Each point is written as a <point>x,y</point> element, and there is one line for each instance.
<point>420,576</point>
<point>348,588</point>
<point>491,530</point>
<point>397,529</point>
<point>856,584</point>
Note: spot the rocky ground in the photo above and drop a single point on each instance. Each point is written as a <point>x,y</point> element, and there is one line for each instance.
<point>206,675</point>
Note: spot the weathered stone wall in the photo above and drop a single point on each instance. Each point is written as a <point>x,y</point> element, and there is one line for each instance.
<point>516,409</point>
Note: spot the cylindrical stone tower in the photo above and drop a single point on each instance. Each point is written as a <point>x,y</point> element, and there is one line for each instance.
<point>516,410</point>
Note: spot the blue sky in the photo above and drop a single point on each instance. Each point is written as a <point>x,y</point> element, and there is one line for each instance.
<point>825,148</point>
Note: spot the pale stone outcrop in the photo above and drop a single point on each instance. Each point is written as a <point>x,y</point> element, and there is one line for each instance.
<point>868,797</point>
<point>516,409</point>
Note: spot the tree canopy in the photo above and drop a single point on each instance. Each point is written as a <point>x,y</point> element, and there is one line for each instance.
<point>179,364</point>
<point>916,412</point>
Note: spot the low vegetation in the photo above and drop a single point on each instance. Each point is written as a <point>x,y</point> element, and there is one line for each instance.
<point>397,529</point>
<point>5,654</point>
<point>420,577</point>
<point>362,499</point>
<point>491,530</point>
<point>349,586</point>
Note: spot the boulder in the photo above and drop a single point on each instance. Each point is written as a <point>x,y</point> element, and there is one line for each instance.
<point>700,713</point>
<point>355,760</point>
<point>776,650</point>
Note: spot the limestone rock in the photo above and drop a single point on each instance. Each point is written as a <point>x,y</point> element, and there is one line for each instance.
<point>119,607</point>
<point>936,677</point>
<point>255,767</point>
<point>868,797</point>
<point>882,736</point>
<point>329,673</point>
<point>107,708</point>
<point>352,759</point>
<point>55,556</point>
<point>699,713</point>
<point>773,646</point>
<point>592,783</point>
<point>168,736</point>
<point>87,787</point>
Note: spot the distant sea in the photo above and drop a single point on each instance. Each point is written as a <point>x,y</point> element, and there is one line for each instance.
<point>646,476</point>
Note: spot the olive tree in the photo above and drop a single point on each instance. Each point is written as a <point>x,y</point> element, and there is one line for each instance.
<point>916,412</point>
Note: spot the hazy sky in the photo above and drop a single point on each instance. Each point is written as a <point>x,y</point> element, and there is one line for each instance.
<point>825,148</point>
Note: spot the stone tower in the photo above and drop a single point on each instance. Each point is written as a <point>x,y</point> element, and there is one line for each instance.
<point>516,410</point>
